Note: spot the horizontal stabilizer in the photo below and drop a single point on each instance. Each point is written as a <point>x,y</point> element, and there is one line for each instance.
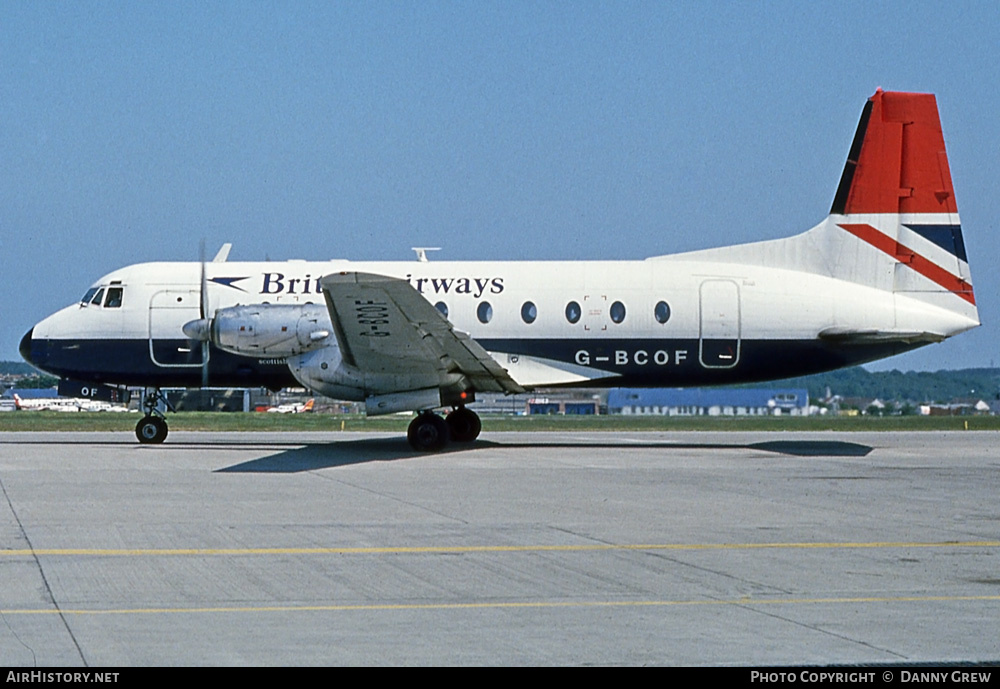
<point>864,337</point>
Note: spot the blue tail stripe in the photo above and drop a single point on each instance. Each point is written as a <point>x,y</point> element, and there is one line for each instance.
<point>948,237</point>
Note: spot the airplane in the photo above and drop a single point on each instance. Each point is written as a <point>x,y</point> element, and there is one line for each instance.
<point>64,404</point>
<point>46,404</point>
<point>293,408</point>
<point>885,272</point>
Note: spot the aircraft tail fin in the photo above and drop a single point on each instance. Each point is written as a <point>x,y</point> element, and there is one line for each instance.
<point>17,402</point>
<point>894,221</point>
<point>897,163</point>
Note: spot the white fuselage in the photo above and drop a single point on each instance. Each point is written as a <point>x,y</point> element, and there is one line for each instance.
<point>661,321</point>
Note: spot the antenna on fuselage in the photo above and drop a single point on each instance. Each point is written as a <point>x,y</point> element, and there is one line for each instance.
<point>422,252</point>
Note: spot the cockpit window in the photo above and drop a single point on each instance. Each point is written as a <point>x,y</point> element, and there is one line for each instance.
<point>111,300</point>
<point>88,296</point>
<point>114,299</point>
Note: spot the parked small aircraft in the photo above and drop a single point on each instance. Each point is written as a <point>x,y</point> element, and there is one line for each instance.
<point>293,408</point>
<point>46,404</point>
<point>64,404</point>
<point>884,273</point>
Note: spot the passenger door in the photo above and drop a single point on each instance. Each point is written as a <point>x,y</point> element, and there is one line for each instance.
<point>719,334</point>
<point>169,310</point>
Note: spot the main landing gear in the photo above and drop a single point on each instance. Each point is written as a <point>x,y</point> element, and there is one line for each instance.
<point>431,433</point>
<point>152,427</point>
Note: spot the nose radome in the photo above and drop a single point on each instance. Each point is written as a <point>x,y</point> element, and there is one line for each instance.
<point>25,347</point>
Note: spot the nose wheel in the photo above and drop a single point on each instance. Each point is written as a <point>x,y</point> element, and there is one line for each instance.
<point>151,430</point>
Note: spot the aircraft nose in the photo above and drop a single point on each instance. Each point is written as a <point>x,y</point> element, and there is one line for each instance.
<point>25,347</point>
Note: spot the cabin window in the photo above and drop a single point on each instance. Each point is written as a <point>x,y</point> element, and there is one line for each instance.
<point>484,312</point>
<point>617,312</point>
<point>662,312</point>
<point>442,307</point>
<point>114,299</point>
<point>529,312</point>
<point>573,312</point>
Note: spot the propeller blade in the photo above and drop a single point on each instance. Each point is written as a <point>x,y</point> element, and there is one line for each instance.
<point>203,302</point>
<point>204,363</point>
<point>204,324</point>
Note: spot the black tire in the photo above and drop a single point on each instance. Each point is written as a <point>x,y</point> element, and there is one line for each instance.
<point>151,430</point>
<point>428,433</point>
<point>464,425</point>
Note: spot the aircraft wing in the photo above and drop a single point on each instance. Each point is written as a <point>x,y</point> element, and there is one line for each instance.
<point>384,326</point>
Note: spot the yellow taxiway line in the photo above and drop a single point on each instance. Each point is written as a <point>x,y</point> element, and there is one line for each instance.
<point>382,550</point>
<point>744,602</point>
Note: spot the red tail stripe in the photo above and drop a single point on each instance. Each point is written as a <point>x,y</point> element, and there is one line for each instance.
<point>907,256</point>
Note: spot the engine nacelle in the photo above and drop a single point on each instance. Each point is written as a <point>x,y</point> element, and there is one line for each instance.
<point>326,372</point>
<point>272,330</point>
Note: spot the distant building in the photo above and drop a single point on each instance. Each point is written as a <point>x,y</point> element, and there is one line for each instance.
<point>498,403</point>
<point>708,402</point>
<point>571,407</point>
<point>958,408</point>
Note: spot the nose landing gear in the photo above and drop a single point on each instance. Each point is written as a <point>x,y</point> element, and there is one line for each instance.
<point>152,427</point>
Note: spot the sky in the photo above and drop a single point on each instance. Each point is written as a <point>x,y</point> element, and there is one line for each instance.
<point>130,132</point>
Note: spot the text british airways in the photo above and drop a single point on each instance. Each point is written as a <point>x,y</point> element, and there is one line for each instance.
<point>277,283</point>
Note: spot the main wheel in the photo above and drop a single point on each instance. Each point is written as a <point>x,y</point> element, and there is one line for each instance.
<point>464,425</point>
<point>151,429</point>
<point>428,433</point>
